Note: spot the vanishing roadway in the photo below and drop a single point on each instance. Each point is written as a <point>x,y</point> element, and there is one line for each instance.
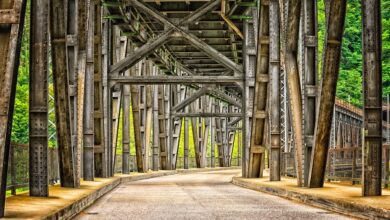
<point>207,195</point>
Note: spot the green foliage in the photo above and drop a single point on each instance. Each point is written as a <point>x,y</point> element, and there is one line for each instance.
<point>20,118</point>
<point>349,86</point>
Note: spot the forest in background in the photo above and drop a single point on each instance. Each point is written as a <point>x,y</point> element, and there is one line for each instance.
<point>349,86</point>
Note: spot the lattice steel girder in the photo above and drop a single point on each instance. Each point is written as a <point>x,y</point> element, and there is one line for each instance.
<point>372,86</point>
<point>61,76</point>
<point>167,79</point>
<point>190,37</point>
<point>309,79</point>
<point>38,108</point>
<point>159,40</point>
<point>330,72</point>
<point>292,71</point>
<point>260,95</point>
<point>274,66</point>
<point>10,42</point>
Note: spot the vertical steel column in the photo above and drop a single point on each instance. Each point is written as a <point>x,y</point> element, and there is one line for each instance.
<point>156,132</point>
<point>330,72</point>
<point>168,123</point>
<point>274,65</point>
<point>99,144</point>
<point>136,121</point>
<point>71,19</point>
<point>257,64</point>
<point>199,129</point>
<point>10,43</point>
<point>143,116</point>
<point>63,73</point>
<point>162,128</point>
<point>179,93</point>
<point>149,114</point>
<point>186,141</point>
<point>88,127</point>
<point>106,94</point>
<point>206,128</point>
<point>310,78</point>
<point>212,134</point>
<point>218,136</point>
<point>126,123</point>
<point>294,11</point>
<point>81,69</point>
<point>115,101</point>
<point>38,176</point>
<point>372,87</point>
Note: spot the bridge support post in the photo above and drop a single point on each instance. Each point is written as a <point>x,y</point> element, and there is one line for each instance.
<point>330,72</point>
<point>294,12</point>
<point>309,78</point>
<point>38,108</point>
<point>372,87</point>
<point>99,138</point>
<point>186,141</point>
<point>126,126</point>
<point>88,125</point>
<point>10,42</point>
<point>274,63</point>
<point>257,63</point>
<point>156,133</point>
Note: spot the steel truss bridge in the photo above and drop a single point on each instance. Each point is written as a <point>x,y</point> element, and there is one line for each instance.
<point>228,68</point>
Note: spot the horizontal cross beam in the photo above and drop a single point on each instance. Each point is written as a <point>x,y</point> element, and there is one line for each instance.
<point>167,79</point>
<point>206,114</point>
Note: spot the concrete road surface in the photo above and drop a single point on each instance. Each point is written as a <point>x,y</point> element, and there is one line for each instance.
<point>207,195</point>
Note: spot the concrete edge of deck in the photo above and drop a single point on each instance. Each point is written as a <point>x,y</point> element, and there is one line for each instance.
<point>75,207</point>
<point>348,208</point>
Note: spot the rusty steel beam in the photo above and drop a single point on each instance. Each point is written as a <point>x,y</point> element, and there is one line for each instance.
<point>88,125</point>
<point>292,71</point>
<point>260,96</point>
<point>10,42</point>
<point>330,70</point>
<point>274,65</point>
<point>309,79</point>
<point>372,87</point>
<point>38,108</point>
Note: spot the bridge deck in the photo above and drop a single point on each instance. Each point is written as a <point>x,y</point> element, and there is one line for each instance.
<point>206,195</point>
